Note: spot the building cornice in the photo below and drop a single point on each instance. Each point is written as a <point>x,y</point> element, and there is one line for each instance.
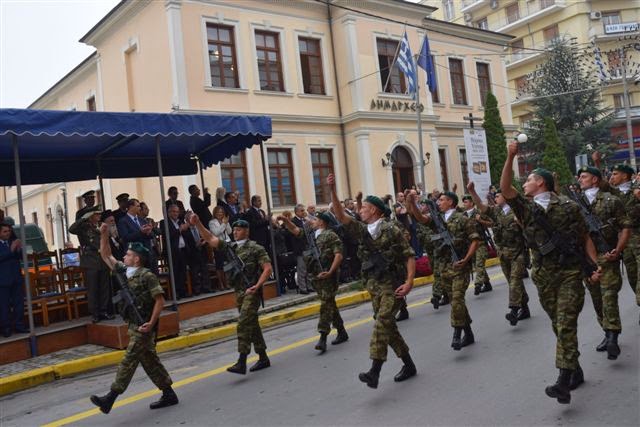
<point>466,32</point>
<point>120,14</point>
<point>35,192</point>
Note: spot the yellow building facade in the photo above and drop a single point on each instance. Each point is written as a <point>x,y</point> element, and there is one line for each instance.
<point>322,73</point>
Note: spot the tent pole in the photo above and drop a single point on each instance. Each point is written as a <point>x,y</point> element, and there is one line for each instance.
<point>274,259</point>
<point>33,344</point>
<point>104,206</point>
<point>167,240</point>
<point>201,168</point>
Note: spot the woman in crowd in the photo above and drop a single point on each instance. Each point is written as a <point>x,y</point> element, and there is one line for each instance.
<point>220,228</point>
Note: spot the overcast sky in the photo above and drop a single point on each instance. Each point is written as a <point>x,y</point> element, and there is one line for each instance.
<point>39,44</point>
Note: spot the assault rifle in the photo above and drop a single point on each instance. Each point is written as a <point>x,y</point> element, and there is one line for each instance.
<point>128,309</point>
<point>312,248</point>
<point>235,268</point>
<point>487,237</point>
<point>443,234</point>
<point>593,222</point>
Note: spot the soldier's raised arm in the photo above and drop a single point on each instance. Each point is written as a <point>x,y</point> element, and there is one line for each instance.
<point>507,172</point>
<point>414,211</point>
<point>338,209</point>
<point>294,229</point>
<point>206,235</point>
<point>471,188</point>
<point>105,247</point>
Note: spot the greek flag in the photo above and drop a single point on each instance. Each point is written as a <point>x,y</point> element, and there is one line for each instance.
<point>406,64</point>
<point>425,61</point>
<point>601,72</point>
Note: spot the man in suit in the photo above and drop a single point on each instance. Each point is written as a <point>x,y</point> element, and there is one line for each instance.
<point>173,200</point>
<point>299,246</point>
<point>201,206</point>
<point>132,228</point>
<point>258,224</point>
<point>89,202</point>
<point>123,204</point>
<point>230,206</point>
<point>11,288</point>
<point>179,235</point>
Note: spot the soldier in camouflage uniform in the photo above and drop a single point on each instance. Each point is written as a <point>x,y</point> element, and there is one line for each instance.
<point>481,278</point>
<point>257,269</point>
<point>149,300</point>
<point>610,241</point>
<point>323,273</point>
<point>456,275</point>
<point>439,296</point>
<point>508,236</point>
<point>556,273</point>
<point>381,248</point>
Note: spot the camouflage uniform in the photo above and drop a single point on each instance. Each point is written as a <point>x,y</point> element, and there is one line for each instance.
<point>559,285</point>
<point>508,236</point>
<point>631,255</point>
<point>142,347</point>
<point>381,283</point>
<point>481,255</point>
<point>463,230</point>
<point>424,237</point>
<point>254,257</point>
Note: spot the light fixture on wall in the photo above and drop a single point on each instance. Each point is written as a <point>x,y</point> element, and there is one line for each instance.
<point>389,161</point>
<point>427,155</point>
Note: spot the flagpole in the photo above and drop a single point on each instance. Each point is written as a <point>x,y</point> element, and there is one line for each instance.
<point>420,147</point>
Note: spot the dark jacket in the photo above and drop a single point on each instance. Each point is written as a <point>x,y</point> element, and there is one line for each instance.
<point>298,245</point>
<point>174,238</point>
<point>130,232</point>
<point>9,265</point>
<point>259,226</point>
<point>201,208</point>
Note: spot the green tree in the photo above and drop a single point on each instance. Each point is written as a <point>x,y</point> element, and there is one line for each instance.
<point>553,157</point>
<point>496,140</point>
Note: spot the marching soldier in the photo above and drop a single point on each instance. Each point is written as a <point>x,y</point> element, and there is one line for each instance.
<point>257,269</point>
<point>507,233</point>
<point>89,202</point>
<point>481,278</point>
<point>454,275</point>
<point>323,271</point>
<point>381,248</point>
<point>96,273</point>
<point>561,247</point>
<point>149,301</point>
<point>610,241</point>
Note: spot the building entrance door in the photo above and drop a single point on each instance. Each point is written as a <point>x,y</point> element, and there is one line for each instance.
<point>403,176</point>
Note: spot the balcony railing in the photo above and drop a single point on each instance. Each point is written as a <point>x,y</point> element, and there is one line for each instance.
<point>527,12</point>
<point>471,5</point>
<point>634,111</point>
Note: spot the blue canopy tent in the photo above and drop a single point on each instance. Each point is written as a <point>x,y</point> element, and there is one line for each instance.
<point>40,146</point>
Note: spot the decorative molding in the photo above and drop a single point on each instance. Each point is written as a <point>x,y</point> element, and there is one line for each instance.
<point>180,98</point>
<point>112,21</point>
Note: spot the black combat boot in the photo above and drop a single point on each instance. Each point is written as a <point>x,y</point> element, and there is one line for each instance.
<point>341,337</point>
<point>445,299</point>
<point>525,274</point>
<point>240,366</point>
<point>456,343</point>
<point>262,363</point>
<point>322,343</point>
<point>408,369</point>
<point>403,314</point>
<point>478,289</point>
<point>168,398</point>
<point>613,349</point>
<point>436,302</point>
<point>524,312</point>
<point>105,403</point>
<point>560,390</point>
<point>577,378</point>
<point>371,378</point>
<point>468,338</point>
<point>603,345</point>
<point>486,287</point>
<point>512,316</point>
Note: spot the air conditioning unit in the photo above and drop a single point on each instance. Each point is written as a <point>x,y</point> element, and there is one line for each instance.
<point>467,17</point>
<point>595,15</point>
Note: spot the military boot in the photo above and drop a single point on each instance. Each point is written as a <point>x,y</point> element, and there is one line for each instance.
<point>105,403</point>
<point>512,316</point>
<point>168,398</point>
<point>262,363</point>
<point>613,349</point>
<point>445,299</point>
<point>477,289</point>
<point>371,378</point>
<point>435,300</point>
<point>468,337</point>
<point>603,344</point>
<point>408,369</point>
<point>240,366</point>
<point>322,343</point>
<point>577,378</point>
<point>403,314</point>
<point>341,337</point>
<point>456,343</point>
<point>560,390</point>
<point>524,312</point>
<point>486,287</point>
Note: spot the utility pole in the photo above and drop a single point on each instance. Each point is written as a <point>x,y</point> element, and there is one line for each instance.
<point>627,111</point>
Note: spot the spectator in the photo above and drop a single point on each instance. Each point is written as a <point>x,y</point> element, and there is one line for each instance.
<point>299,246</point>
<point>311,210</point>
<point>123,205</point>
<point>220,192</point>
<point>258,224</point>
<point>219,227</point>
<point>71,259</point>
<point>198,263</point>
<point>173,200</point>
<point>132,228</point>
<point>117,247</point>
<point>11,287</point>
<point>350,209</point>
<point>155,232</point>
<point>200,206</point>
<point>179,234</point>
<point>230,206</point>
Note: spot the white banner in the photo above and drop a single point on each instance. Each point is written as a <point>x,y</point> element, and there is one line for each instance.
<point>475,142</point>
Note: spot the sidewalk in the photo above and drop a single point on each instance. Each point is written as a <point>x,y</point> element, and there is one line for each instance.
<point>286,308</point>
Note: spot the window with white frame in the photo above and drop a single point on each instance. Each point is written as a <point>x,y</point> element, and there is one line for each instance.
<point>223,64</point>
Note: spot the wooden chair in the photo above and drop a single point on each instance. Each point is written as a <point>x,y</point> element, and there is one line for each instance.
<point>51,256</point>
<point>48,296</point>
<point>74,288</point>
<point>33,260</point>
<point>165,283</point>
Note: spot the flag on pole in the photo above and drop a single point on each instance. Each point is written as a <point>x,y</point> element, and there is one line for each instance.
<point>406,64</point>
<point>425,61</point>
<point>598,57</point>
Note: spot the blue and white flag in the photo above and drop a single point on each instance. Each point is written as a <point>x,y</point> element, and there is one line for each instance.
<point>425,61</point>
<point>406,64</point>
<point>598,57</point>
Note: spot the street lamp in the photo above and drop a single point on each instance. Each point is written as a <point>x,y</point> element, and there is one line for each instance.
<point>389,162</point>
<point>428,156</point>
<point>522,138</point>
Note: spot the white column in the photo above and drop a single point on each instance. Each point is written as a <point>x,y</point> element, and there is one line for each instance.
<point>435,161</point>
<point>365,166</point>
<point>100,97</point>
<point>180,98</point>
<point>353,64</point>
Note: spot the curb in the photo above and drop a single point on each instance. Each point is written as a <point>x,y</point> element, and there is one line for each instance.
<point>36,377</point>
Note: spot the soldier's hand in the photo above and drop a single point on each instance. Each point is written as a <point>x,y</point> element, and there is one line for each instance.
<point>595,277</point>
<point>193,219</point>
<point>145,328</point>
<point>460,264</point>
<point>252,290</point>
<point>359,196</point>
<point>455,187</point>
<point>104,228</point>
<point>403,290</point>
<point>471,187</point>
<point>612,255</point>
<point>323,275</point>
<point>331,180</point>
<point>512,148</point>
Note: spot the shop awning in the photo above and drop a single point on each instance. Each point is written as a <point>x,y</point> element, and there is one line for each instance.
<point>62,146</point>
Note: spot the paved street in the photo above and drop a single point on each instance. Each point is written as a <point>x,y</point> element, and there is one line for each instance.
<point>498,381</point>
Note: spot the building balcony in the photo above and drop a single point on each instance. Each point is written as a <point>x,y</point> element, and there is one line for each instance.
<point>469,6</point>
<point>610,32</point>
<point>621,115</point>
<point>522,57</point>
<point>529,11</point>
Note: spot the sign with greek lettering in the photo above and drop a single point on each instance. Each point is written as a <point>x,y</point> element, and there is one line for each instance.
<point>401,106</point>
<point>475,142</point>
<point>627,27</point>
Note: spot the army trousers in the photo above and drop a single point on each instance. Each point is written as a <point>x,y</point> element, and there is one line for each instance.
<point>329,313</point>
<point>458,282</point>
<point>438,289</point>
<point>249,331</point>
<point>604,295</point>
<point>385,331</point>
<point>562,297</point>
<point>631,258</point>
<point>141,349</point>
<point>513,268</point>
<point>479,269</point>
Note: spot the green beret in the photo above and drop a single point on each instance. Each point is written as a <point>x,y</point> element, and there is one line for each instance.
<point>89,193</point>
<point>241,223</point>
<point>498,190</point>
<point>453,196</point>
<point>590,170</point>
<point>92,211</point>
<point>326,217</point>
<point>621,167</point>
<point>138,248</point>
<point>123,196</point>
<point>546,176</point>
<point>467,197</point>
<point>377,202</point>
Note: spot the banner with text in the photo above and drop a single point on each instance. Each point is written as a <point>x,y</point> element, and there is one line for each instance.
<point>475,142</point>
